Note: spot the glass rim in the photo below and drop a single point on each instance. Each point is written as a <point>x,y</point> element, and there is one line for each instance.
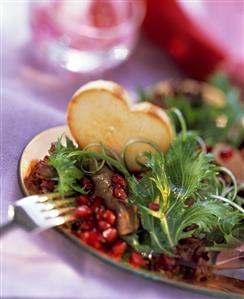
<point>137,17</point>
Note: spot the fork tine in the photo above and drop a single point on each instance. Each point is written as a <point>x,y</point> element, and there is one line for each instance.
<point>57,212</point>
<point>55,221</point>
<point>61,202</point>
<point>55,199</point>
<point>40,212</point>
<point>47,206</point>
<point>50,196</point>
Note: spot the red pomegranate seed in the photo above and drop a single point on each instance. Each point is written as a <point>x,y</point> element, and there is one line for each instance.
<point>209,149</point>
<point>97,203</point>
<point>138,176</point>
<point>118,180</point>
<point>119,248</point>
<point>154,206</point>
<point>99,213</point>
<point>226,153</point>
<point>82,200</point>
<point>83,211</point>
<point>110,234</point>
<point>109,217</point>
<point>137,260</point>
<point>87,225</point>
<point>120,193</point>
<point>93,239</point>
<point>87,184</point>
<point>103,225</point>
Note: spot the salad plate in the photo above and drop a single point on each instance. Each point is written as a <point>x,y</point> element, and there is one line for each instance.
<point>126,245</point>
<point>37,148</point>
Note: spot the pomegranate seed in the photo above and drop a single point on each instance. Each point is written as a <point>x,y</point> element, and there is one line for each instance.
<point>97,203</point>
<point>137,260</point>
<point>87,225</point>
<point>226,153</point>
<point>209,149</point>
<point>138,176</point>
<point>120,193</point>
<point>110,234</point>
<point>154,206</point>
<point>109,217</point>
<point>99,212</point>
<point>93,239</point>
<point>103,225</point>
<point>119,248</point>
<point>118,180</point>
<point>83,211</point>
<point>82,200</point>
<point>87,184</point>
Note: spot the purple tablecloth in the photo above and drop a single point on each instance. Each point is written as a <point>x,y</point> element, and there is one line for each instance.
<point>34,266</point>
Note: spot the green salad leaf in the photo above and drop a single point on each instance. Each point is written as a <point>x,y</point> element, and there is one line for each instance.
<point>213,124</point>
<point>181,182</point>
<point>68,173</point>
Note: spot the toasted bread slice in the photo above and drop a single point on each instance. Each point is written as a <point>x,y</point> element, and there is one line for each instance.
<point>102,112</point>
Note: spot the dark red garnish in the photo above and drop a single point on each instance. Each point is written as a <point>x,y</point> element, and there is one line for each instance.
<point>226,153</point>
<point>82,200</point>
<point>83,211</point>
<point>137,260</point>
<point>87,184</point>
<point>103,225</point>
<point>40,178</point>
<point>93,239</point>
<point>154,206</point>
<point>138,176</point>
<point>209,149</point>
<point>165,262</point>
<point>110,234</point>
<point>87,224</point>
<point>109,217</point>
<point>119,248</point>
<point>98,202</point>
<point>99,212</point>
<point>118,180</point>
<point>120,193</point>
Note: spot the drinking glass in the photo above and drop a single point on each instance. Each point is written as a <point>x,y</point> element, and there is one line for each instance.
<point>85,36</point>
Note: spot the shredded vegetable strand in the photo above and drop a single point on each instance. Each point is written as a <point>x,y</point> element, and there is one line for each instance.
<point>235,188</point>
<point>94,163</point>
<point>224,199</point>
<point>202,144</point>
<point>108,159</point>
<point>134,141</point>
<point>181,120</point>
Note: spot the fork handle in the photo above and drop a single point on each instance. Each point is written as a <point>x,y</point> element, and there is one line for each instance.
<point>6,227</point>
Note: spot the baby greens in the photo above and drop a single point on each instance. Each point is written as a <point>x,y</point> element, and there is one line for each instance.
<point>181,182</point>
<point>68,172</point>
<point>214,124</point>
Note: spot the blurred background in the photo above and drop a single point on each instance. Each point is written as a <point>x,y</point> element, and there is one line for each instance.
<point>71,41</point>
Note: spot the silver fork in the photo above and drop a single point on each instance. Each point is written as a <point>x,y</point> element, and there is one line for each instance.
<point>37,213</point>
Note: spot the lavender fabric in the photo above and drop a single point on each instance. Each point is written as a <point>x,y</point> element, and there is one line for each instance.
<point>46,266</point>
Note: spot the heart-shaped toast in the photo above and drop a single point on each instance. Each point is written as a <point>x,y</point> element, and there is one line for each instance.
<point>102,112</point>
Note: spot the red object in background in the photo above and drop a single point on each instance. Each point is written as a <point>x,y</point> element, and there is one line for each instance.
<point>167,24</point>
